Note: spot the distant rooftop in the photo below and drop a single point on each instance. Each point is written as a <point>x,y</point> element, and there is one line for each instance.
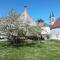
<point>56,24</point>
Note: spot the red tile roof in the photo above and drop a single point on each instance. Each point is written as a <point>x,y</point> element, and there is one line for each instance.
<point>56,24</point>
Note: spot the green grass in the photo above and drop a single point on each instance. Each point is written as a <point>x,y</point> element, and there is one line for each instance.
<point>46,50</point>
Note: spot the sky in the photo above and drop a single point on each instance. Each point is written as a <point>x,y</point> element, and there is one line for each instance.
<point>36,8</point>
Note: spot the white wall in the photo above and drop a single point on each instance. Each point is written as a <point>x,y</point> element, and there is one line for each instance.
<point>45,30</point>
<point>55,33</point>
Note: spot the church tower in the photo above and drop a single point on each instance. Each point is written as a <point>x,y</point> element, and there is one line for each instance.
<point>52,19</point>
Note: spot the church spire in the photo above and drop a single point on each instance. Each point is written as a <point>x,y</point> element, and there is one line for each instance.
<point>52,14</point>
<point>52,18</point>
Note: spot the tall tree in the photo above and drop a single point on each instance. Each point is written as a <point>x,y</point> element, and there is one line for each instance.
<point>9,21</point>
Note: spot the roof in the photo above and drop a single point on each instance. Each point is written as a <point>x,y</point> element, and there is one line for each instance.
<point>56,24</point>
<point>25,17</point>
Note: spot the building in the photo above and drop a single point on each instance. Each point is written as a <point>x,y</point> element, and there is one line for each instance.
<point>25,18</point>
<point>45,29</point>
<point>55,28</point>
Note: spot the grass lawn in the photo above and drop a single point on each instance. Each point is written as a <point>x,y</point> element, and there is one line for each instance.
<point>46,50</point>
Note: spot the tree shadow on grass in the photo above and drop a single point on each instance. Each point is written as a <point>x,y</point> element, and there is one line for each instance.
<point>38,44</point>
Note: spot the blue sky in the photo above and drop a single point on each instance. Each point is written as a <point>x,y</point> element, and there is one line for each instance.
<point>37,8</point>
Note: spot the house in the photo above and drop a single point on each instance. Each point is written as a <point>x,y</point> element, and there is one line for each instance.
<point>45,29</point>
<point>55,28</point>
